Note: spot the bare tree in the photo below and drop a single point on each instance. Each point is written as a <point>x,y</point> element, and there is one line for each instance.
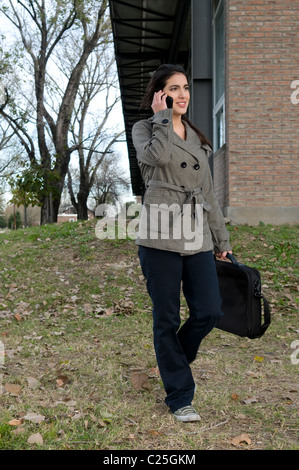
<point>10,151</point>
<point>43,26</point>
<point>9,156</point>
<point>110,183</point>
<point>90,135</point>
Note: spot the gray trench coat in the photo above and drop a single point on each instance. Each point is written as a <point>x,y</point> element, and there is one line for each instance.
<point>179,188</point>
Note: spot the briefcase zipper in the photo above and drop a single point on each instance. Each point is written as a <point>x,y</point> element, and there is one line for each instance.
<point>257,289</point>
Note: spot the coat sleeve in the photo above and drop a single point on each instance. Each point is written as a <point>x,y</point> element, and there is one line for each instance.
<point>152,139</point>
<point>220,234</point>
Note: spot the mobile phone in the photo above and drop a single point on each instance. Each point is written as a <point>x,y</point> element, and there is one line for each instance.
<point>169,101</point>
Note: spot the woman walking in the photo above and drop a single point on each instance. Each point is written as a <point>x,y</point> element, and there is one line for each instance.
<point>173,157</point>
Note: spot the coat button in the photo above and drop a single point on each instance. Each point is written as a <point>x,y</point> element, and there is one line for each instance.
<point>165,121</point>
<point>196,166</point>
<point>183,164</point>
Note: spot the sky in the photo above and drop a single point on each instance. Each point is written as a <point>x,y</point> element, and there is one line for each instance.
<point>116,118</point>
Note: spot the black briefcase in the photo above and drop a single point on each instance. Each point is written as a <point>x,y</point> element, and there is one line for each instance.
<point>246,310</point>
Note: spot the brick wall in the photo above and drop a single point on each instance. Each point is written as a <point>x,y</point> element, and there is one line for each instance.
<point>262,124</point>
<point>220,176</point>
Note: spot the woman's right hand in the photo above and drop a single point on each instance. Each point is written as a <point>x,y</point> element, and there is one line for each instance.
<point>159,101</point>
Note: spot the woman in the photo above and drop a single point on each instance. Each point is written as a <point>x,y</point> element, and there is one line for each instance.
<point>173,157</point>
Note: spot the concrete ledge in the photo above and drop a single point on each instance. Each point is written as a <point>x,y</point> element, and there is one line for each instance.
<point>267,215</point>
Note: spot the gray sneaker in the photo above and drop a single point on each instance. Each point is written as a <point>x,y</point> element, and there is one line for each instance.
<point>187,414</point>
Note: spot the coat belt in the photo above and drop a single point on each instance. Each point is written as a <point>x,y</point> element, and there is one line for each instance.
<point>190,193</point>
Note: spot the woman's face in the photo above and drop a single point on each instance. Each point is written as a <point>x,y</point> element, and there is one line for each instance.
<point>177,87</point>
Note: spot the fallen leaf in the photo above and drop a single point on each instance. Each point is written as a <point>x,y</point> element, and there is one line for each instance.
<point>32,382</point>
<point>255,375</point>
<point>108,312</point>
<point>35,439</point>
<point>153,432</point>
<point>140,381</point>
<point>241,440</point>
<point>235,396</point>
<point>70,403</point>
<point>250,400</point>
<point>18,431</point>
<point>155,371</point>
<point>258,359</point>
<point>15,422</point>
<point>62,380</point>
<point>13,389</point>
<point>34,418</point>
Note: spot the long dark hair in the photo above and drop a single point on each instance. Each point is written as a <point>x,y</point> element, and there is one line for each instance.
<point>158,82</point>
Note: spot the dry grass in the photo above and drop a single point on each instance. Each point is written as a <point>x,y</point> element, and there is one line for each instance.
<point>76,324</point>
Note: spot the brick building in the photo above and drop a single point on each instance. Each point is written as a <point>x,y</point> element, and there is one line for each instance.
<point>242,58</point>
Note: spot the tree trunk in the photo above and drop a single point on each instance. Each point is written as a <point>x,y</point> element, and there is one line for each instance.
<point>55,197</point>
<point>25,216</point>
<point>82,205</point>
<point>47,215</point>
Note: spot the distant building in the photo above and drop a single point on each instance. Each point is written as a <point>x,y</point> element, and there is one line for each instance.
<point>69,215</point>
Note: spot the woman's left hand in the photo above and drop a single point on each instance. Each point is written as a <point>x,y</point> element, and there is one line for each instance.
<point>223,254</point>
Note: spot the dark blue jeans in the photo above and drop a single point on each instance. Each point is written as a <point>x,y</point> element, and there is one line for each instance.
<point>176,347</point>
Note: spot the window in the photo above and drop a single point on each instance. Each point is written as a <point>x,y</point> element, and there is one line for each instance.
<point>218,75</point>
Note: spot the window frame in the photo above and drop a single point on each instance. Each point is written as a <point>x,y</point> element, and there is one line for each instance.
<point>218,5</point>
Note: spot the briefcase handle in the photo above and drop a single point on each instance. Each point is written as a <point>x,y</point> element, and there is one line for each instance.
<point>233,260</point>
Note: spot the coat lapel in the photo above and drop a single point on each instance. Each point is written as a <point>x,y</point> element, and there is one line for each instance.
<point>192,143</point>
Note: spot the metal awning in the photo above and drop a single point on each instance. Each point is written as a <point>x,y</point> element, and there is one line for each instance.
<point>147,33</point>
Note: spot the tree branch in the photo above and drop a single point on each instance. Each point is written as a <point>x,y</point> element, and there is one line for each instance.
<point>19,131</point>
<point>33,15</point>
<point>70,189</point>
<point>67,25</point>
<point>67,104</point>
<point>107,149</point>
<point>19,26</point>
